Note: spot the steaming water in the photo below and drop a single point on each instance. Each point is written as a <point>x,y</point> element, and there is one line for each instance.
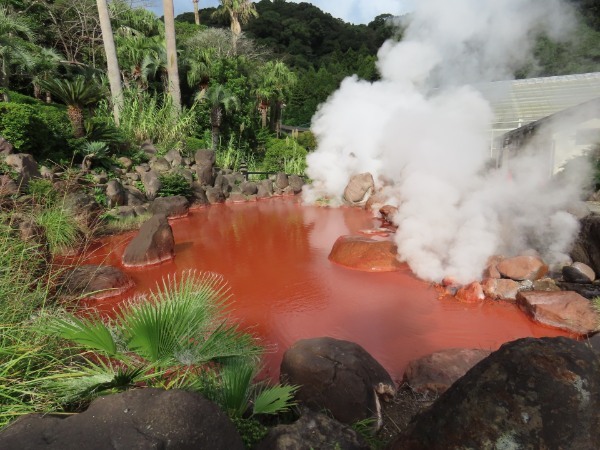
<point>423,131</point>
<point>273,254</point>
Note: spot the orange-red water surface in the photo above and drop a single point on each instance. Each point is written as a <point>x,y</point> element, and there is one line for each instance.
<point>273,253</point>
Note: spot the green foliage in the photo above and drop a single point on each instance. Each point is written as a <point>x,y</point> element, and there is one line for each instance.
<point>42,191</point>
<point>285,155</point>
<point>307,140</point>
<point>152,117</point>
<point>182,322</point>
<point>37,129</point>
<point>251,430</point>
<point>60,228</point>
<point>174,184</point>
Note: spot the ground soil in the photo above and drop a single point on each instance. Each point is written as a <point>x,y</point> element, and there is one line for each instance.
<point>398,413</point>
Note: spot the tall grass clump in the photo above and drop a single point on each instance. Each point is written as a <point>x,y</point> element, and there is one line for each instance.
<point>27,358</point>
<point>153,117</point>
<point>60,228</point>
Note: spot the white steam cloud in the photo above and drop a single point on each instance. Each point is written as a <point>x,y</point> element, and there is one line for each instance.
<point>423,132</point>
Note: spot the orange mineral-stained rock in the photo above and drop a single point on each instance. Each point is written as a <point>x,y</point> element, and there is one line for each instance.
<point>500,289</point>
<point>522,268</point>
<point>365,254</point>
<point>562,309</point>
<point>470,293</point>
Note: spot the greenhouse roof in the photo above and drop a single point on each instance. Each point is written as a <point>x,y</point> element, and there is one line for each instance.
<point>519,102</point>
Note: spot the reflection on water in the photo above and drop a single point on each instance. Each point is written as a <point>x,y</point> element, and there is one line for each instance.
<point>273,253</point>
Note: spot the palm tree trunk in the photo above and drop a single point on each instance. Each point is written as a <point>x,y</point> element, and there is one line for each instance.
<point>196,12</point>
<point>76,117</point>
<point>5,79</point>
<point>114,77</point>
<point>174,88</point>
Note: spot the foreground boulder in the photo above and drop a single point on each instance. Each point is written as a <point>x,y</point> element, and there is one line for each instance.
<point>313,430</point>
<point>530,394</point>
<point>138,419</point>
<point>438,371</point>
<point>94,282</point>
<point>363,253</point>
<point>562,309</point>
<point>338,376</point>
<point>153,244</point>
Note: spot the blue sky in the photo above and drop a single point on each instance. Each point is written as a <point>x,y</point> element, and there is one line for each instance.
<point>353,11</point>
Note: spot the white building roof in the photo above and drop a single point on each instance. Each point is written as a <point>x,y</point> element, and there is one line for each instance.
<point>520,102</point>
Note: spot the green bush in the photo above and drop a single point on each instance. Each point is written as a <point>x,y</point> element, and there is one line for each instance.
<point>37,129</point>
<point>284,155</point>
<point>174,184</point>
<point>42,191</point>
<point>192,144</point>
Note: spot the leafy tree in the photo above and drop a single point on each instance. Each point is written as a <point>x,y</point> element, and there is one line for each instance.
<point>239,12</point>
<point>275,81</point>
<point>76,94</point>
<point>13,30</point>
<point>44,64</point>
<point>220,101</point>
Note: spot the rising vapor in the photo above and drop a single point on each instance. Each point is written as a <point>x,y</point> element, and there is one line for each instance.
<point>423,132</point>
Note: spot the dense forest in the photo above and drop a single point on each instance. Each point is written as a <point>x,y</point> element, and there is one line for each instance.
<point>323,50</point>
<point>289,57</point>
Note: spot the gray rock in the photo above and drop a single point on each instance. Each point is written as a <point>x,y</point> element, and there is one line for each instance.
<point>214,195</point>
<point>115,193</point>
<point>134,197</point>
<point>338,376</point>
<point>311,431</point>
<point>24,165</point>
<point>265,189</point>
<point>148,148</point>
<point>172,206</point>
<point>151,184</point>
<point>205,157</point>
<point>249,188</point>
<point>174,157</point>
<point>137,419</point>
<point>94,282</point>
<point>160,164</point>
<point>126,163</point>
<point>199,194</point>
<point>296,183</point>
<point>281,181</point>
<point>6,148</point>
<point>153,244</point>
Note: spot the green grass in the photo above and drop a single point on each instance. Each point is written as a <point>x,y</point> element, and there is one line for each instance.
<point>61,229</point>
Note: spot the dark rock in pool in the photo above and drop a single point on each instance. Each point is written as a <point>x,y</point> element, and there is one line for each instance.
<point>138,419</point>
<point>587,247</point>
<point>530,394</point>
<point>153,244</point>
<point>587,290</point>
<point>338,376</point>
<point>94,282</point>
<point>574,274</point>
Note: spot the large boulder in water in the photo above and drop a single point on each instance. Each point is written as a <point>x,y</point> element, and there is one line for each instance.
<point>94,282</point>
<point>137,419</point>
<point>561,309</point>
<point>153,244</point>
<point>363,253</point>
<point>338,376</point>
<point>530,394</point>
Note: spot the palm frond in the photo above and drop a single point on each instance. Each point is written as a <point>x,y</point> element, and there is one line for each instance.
<point>89,333</point>
<point>274,399</point>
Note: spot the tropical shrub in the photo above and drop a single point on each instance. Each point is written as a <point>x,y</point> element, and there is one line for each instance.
<point>284,155</point>
<point>39,130</point>
<point>151,117</point>
<point>174,184</point>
